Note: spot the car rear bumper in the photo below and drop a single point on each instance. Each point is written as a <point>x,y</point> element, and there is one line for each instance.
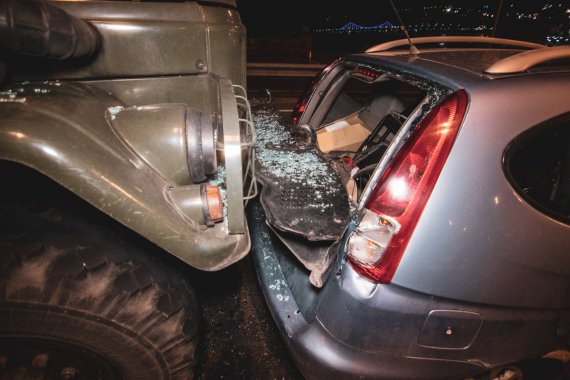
<point>317,353</point>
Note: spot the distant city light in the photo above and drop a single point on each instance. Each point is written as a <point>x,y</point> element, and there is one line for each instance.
<point>353,26</point>
<point>459,17</point>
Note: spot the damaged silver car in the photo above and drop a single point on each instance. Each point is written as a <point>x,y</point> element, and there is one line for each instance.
<point>413,223</point>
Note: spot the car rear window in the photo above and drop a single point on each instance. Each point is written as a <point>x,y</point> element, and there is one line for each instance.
<point>537,163</point>
<point>359,115</point>
<point>372,101</point>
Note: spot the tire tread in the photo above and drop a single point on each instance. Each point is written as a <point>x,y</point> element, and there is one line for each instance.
<point>106,278</point>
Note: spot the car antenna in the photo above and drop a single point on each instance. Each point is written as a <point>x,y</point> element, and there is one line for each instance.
<point>498,17</point>
<point>413,50</point>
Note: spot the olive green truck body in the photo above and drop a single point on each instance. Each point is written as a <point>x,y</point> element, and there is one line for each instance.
<point>144,126</point>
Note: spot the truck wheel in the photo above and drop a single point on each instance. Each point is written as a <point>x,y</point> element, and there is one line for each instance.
<point>76,306</point>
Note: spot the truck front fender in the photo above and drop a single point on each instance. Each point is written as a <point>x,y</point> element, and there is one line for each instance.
<point>63,131</point>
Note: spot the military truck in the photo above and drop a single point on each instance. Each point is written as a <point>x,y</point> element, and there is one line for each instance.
<point>119,119</point>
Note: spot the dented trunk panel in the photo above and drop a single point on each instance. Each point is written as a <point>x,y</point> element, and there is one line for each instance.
<point>305,201</point>
<point>302,194</point>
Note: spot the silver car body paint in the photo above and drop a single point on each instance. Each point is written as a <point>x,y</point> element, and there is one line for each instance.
<point>453,253</point>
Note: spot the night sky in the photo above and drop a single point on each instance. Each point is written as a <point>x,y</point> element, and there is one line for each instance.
<point>267,18</point>
<point>285,18</point>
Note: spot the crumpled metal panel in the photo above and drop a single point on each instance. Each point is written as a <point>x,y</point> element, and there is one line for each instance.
<point>301,194</point>
<point>317,257</point>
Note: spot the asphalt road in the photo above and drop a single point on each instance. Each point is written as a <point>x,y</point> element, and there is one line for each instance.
<point>239,338</point>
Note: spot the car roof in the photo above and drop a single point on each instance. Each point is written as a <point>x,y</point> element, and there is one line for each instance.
<point>453,67</point>
<point>475,58</point>
<point>433,68</point>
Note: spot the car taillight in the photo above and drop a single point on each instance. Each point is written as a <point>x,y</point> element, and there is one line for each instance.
<point>368,73</point>
<point>301,104</point>
<point>395,206</point>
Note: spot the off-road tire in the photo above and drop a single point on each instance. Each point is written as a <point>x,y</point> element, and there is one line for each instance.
<point>70,282</point>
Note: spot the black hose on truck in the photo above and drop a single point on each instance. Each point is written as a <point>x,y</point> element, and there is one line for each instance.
<point>37,28</point>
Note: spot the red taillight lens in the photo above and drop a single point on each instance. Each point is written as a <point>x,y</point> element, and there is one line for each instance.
<point>394,208</point>
<point>301,104</point>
